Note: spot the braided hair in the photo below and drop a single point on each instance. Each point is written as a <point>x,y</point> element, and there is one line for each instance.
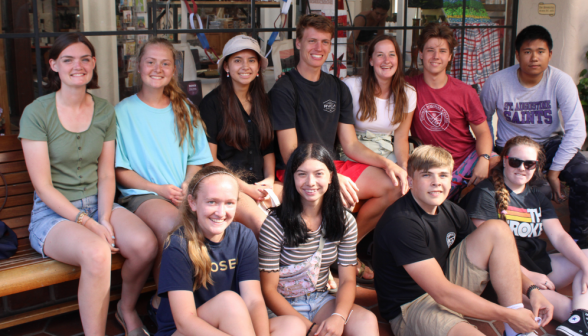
<point>502,194</point>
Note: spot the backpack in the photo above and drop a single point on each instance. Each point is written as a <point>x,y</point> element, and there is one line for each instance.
<point>8,239</point>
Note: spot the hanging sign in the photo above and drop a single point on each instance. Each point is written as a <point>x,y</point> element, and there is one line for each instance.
<point>546,9</point>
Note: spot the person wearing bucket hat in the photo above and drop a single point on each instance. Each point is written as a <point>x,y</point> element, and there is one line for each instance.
<point>241,135</point>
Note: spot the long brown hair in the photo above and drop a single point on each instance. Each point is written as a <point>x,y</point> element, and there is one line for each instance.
<point>234,131</point>
<point>502,194</point>
<point>192,233</point>
<point>62,42</point>
<point>370,88</point>
<point>185,113</point>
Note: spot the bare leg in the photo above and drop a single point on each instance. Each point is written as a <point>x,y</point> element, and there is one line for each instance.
<point>228,313</point>
<point>565,272</point>
<point>161,217</point>
<point>492,247</point>
<point>561,303</point>
<point>248,212</point>
<point>138,245</point>
<point>287,326</point>
<point>464,329</point>
<point>377,188</point>
<point>362,322</point>
<point>73,244</point>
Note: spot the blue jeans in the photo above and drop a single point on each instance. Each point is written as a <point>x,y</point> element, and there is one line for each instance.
<point>308,305</point>
<point>43,218</point>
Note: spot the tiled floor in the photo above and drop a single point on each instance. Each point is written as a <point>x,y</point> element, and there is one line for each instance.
<point>69,324</point>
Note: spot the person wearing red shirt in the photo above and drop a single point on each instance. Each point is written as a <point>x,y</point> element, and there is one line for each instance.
<point>446,110</point>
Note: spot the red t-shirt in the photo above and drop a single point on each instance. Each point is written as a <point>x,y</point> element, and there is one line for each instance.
<point>443,116</point>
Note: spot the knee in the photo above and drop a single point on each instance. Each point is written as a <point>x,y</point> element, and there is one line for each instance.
<point>288,326</point>
<point>96,258</point>
<point>363,322</point>
<point>143,247</point>
<point>497,229</point>
<point>231,302</point>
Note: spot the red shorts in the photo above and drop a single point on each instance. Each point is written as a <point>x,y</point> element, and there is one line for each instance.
<point>348,168</point>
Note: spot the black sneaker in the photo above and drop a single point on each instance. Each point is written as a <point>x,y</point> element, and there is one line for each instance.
<point>576,325</point>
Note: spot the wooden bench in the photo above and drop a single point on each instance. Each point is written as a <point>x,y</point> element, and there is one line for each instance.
<point>27,269</point>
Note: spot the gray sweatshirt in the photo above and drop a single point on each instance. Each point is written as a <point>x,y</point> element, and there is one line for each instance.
<point>534,111</point>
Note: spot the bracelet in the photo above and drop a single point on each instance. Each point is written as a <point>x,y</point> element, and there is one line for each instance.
<point>310,329</point>
<point>530,289</point>
<point>80,217</point>
<point>343,317</point>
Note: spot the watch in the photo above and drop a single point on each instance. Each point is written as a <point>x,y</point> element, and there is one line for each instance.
<point>485,156</point>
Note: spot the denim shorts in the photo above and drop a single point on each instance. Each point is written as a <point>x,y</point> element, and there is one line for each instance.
<point>43,219</point>
<point>308,305</point>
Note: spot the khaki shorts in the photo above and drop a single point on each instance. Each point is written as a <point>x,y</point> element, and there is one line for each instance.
<point>133,202</point>
<point>424,316</point>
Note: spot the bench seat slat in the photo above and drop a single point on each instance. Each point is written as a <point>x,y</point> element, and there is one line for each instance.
<point>40,272</point>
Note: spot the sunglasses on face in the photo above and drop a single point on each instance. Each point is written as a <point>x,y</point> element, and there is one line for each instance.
<point>516,163</point>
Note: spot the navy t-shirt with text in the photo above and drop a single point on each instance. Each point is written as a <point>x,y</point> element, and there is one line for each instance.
<point>234,259</point>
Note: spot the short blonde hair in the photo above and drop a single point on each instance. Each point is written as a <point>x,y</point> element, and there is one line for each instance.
<point>426,157</point>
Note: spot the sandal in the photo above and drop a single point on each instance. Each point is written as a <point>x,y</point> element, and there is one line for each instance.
<point>359,277</point>
<point>141,331</point>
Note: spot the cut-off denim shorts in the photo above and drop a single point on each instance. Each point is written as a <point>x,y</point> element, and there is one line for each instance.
<point>307,305</point>
<point>43,218</point>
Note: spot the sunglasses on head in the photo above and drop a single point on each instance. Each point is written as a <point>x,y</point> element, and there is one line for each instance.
<point>516,163</point>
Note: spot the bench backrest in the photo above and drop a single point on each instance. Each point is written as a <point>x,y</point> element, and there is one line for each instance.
<point>17,211</point>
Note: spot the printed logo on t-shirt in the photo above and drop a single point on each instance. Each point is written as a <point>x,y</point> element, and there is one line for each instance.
<point>329,106</point>
<point>450,239</point>
<point>529,112</point>
<point>434,117</point>
<point>524,223</point>
<point>223,265</point>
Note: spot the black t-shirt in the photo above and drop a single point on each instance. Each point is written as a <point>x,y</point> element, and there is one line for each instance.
<point>524,215</point>
<point>406,234</point>
<point>322,105</point>
<point>249,159</point>
<point>234,259</point>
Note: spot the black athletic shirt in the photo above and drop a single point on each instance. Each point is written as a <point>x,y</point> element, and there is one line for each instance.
<point>406,234</point>
<point>525,214</point>
<point>322,105</point>
<point>249,159</point>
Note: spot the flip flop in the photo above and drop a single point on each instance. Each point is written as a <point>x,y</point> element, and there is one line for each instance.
<point>141,331</point>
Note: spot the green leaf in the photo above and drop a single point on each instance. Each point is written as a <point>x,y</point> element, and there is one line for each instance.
<point>583,73</point>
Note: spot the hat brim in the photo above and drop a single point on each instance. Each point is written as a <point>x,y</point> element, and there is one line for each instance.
<point>264,61</point>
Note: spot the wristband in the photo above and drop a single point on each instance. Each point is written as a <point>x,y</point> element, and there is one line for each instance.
<point>310,329</point>
<point>530,289</point>
<point>343,317</point>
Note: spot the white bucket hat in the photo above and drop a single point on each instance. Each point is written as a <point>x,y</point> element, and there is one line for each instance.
<point>239,43</point>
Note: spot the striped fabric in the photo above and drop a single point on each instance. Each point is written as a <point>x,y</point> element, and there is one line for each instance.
<point>518,214</point>
<point>481,56</point>
<point>273,253</point>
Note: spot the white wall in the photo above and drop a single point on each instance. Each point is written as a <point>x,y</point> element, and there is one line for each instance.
<point>99,16</point>
<point>568,28</point>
